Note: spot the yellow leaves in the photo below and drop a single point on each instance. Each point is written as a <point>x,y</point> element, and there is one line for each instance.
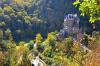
<point>49,40</point>
<point>22,48</point>
<point>38,39</point>
<point>58,58</point>
<point>30,56</point>
<point>76,46</point>
<point>8,9</point>
<point>61,47</point>
<point>62,60</point>
<point>21,43</point>
<point>48,48</point>
<point>19,50</point>
<point>65,61</point>
<point>74,64</point>
<point>50,37</point>
<point>19,1</point>
<point>27,19</point>
<point>22,2</point>
<point>78,56</point>
<point>21,14</point>
<point>17,47</point>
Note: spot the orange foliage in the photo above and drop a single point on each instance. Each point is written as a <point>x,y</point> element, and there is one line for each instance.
<point>94,58</point>
<point>61,47</point>
<point>2,58</point>
<point>76,45</point>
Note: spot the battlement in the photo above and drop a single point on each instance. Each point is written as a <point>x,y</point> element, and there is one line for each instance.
<point>71,20</point>
<point>71,26</point>
<point>70,17</point>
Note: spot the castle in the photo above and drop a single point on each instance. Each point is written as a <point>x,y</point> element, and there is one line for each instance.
<point>71,27</point>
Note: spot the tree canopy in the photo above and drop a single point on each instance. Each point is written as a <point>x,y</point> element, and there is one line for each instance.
<point>91,8</point>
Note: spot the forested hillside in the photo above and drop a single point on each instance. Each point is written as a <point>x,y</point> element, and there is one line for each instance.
<point>30,33</point>
<point>27,18</point>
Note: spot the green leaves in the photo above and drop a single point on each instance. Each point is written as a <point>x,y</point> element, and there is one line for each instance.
<point>76,3</point>
<point>90,8</point>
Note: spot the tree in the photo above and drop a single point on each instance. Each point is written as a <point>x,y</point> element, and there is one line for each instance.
<point>1,35</point>
<point>2,58</point>
<point>38,39</point>
<point>50,41</point>
<point>91,8</point>
<point>8,9</point>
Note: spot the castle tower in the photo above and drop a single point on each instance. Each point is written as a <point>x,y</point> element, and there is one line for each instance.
<point>71,23</point>
<point>71,27</point>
